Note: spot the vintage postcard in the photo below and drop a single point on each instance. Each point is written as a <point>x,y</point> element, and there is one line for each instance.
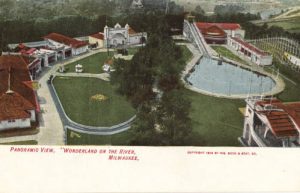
<point>202,93</point>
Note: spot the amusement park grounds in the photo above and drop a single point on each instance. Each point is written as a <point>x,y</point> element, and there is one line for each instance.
<point>215,121</point>
<point>92,102</point>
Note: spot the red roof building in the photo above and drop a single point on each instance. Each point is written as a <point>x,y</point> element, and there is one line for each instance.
<point>99,36</point>
<point>18,101</point>
<point>223,26</point>
<point>248,50</point>
<point>217,33</point>
<point>65,40</point>
<point>65,46</point>
<point>269,122</point>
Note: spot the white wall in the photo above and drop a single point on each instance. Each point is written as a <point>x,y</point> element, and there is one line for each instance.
<point>136,39</point>
<point>18,123</point>
<point>93,40</point>
<point>266,60</point>
<point>32,115</point>
<point>77,51</point>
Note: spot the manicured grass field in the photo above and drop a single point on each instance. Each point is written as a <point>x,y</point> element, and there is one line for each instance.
<point>228,54</point>
<point>216,121</point>
<point>92,64</point>
<point>76,97</point>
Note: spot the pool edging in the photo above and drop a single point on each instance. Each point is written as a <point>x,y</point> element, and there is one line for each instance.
<point>278,88</point>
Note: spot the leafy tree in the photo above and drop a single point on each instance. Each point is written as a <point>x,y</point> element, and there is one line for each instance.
<point>136,78</point>
<point>173,118</point>
<point>145,127</point>
<point>199,10</point>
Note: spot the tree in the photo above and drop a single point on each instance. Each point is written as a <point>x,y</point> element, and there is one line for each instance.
<point>173,118</point>
<point>136,78</point>
<point>199,10</point>
<point>6,9</point>
<point>145,128</point>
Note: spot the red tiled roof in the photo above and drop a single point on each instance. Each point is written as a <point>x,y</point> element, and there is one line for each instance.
<point>250,46</point>
<point>131,31</point>
<point>65,40</point>
<point>23,97</point>
<point>224,26</point>
<point>14,106</point>
<point>27,51</point>
<point>285,120</point>
<point>213,31</point>
<point>99,36</point>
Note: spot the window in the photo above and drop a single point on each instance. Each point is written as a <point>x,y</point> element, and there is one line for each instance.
<point>11,121</point>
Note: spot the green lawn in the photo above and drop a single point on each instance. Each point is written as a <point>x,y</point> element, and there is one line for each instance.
<point>228,54</point>
<point>133,50</point>
<point>291,92</point>
<point>186,53</point>
<point>216,121</point>
<point>76,97</point>
<point>92,64</point>
<point>31,142</point>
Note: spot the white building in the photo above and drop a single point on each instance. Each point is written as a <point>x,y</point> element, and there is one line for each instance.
<point>65,46</point>
<point>119,36</point>
<point>137,4</point>
<point>96,40</point>
<point>271,123</point>
<point>18,100</point>
<point>249,51</point>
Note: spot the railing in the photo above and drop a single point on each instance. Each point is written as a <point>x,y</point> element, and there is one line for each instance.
<point>269,139</point>
<point>200,42</point>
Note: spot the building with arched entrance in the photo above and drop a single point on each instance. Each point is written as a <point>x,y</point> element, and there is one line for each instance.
<point>119,36</point>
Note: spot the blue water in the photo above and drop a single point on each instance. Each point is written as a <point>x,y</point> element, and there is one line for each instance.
<point>227,79</point>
